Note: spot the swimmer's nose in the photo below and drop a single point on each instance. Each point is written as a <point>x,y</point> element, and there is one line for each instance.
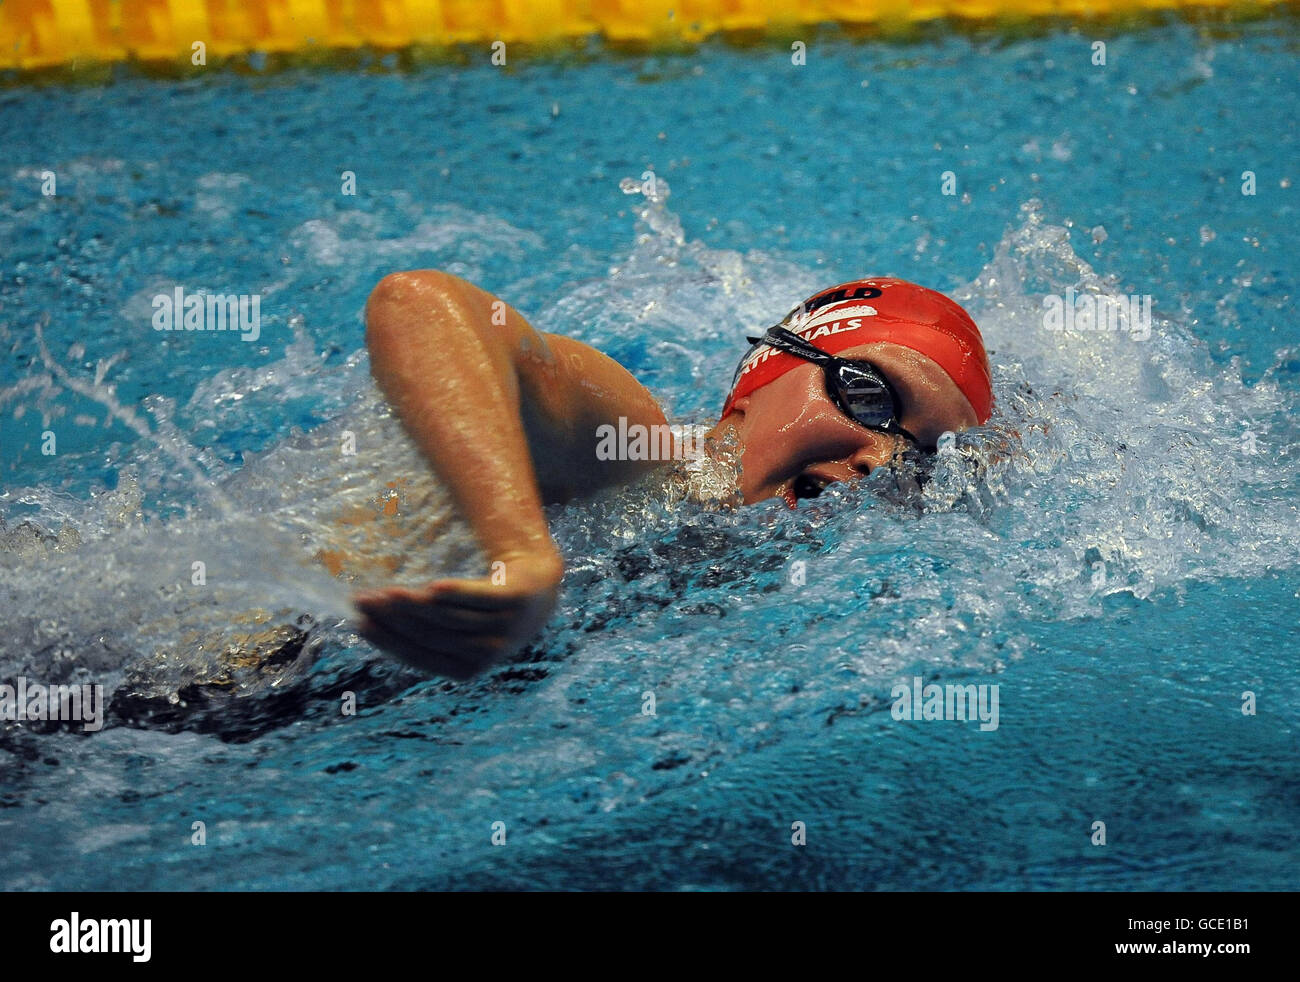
<point>876,452</point>
<point>864,461</point>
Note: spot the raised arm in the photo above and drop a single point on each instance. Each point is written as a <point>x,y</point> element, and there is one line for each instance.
<point>507,418</point>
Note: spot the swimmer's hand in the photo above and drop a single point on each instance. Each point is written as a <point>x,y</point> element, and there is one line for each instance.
<point>459,628</point>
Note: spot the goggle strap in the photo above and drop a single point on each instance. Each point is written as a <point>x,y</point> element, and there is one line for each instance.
<point>783,339</point>
<point>788,341</point>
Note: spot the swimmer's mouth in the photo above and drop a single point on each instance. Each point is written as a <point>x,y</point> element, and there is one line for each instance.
<point>808,486</point>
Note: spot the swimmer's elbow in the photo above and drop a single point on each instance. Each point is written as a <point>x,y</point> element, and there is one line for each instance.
<point>396,304</point>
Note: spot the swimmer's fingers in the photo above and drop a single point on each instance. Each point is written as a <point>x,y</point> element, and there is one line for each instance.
<point>458,627</point>
<point>444,655</point>
<point>481,595</point>
<point>409,619</point>
<point>453,617</point>
<point>420,629</point>
<point>478,595</point>
<point>418,635</point>
<point>401,647</point>
<point>439,614</point>
<point>434,610</point>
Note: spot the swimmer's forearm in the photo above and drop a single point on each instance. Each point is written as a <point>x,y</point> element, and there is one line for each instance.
<point>453,384</point>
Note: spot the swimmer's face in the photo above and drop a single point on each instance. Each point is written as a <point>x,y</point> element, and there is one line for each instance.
<point>794,440</point>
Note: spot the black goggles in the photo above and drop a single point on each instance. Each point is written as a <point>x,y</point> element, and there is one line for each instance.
<point>857,387</point>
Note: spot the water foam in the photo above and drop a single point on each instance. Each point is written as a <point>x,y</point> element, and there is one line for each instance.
<point>1106,455</point>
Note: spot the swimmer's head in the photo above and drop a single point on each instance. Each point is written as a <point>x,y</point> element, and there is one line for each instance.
<point>794,433</point>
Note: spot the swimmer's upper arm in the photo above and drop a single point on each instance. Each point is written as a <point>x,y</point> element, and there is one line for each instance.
<point>561,389</point>
<point>596,388</point>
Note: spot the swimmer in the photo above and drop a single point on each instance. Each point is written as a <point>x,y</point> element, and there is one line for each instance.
<point>508,418</point>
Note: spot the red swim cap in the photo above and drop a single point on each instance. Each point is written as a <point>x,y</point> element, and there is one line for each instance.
<point>879,308</point>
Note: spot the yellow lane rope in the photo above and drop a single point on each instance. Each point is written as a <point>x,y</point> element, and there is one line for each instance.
<point>36,34</point>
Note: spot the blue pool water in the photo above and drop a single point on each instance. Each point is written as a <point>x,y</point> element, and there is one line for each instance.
<point>1105,552</point>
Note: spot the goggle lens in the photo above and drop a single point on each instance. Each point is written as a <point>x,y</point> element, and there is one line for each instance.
<point>865,397</point>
